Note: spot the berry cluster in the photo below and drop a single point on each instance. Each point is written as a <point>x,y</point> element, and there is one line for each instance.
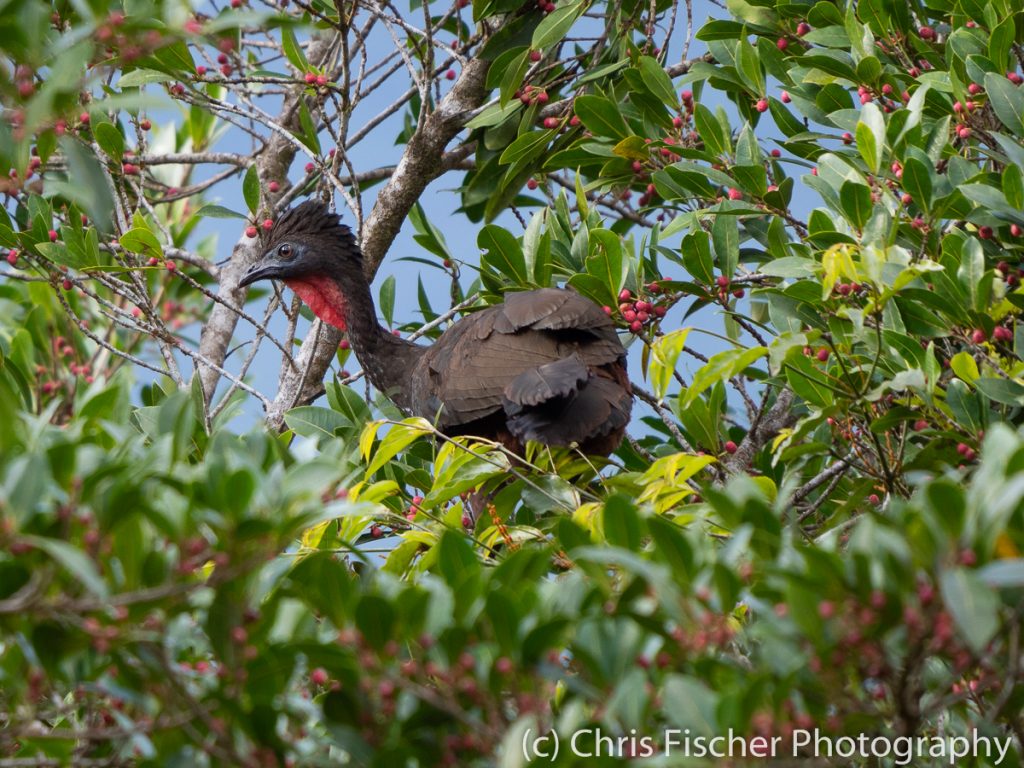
<point>639,313</point>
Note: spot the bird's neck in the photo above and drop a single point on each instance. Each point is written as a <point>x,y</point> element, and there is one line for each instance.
<point>346,303</point>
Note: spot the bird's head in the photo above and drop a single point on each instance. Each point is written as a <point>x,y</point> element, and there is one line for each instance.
<point>306,242</point>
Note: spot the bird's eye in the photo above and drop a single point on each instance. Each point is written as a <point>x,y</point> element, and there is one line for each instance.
<point>285,251</point>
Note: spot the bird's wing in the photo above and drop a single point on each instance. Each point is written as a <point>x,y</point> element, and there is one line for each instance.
<point>469,367</point>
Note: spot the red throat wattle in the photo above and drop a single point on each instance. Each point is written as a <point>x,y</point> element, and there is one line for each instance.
<point>323,296</point>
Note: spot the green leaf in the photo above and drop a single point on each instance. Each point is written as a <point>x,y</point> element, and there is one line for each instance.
<point>74,561</point>
<point>399,437</point>
<point>1013,186</point>
<point>601,116</point>
<point>973,604</point>
<point>140,77</point>
<point>213,211</point>
<point>658,81</point>
<point>292,51</point>
<point>110,140</point>
<point>89,187</point>
<point>697,258</point>
<point>622,523</point>
<point>308,135</point>
<point>917,181</point>
<point>315,421</point>
<point>710,131</point>
<point>749,66</point>
<point>1003,391</point>
<point>856,201</point>
<point>664,354</point>
<point>526,147</point>
<point>871,136</point>
<point>502,253</point>
<point>606,262</point>
<point>972,269</point>
<point>251,189</point>
<point>555,25</point>
<point>720,368</point>
<point>142,241</point>
<point>1007,101</point>
<point>387,299</point>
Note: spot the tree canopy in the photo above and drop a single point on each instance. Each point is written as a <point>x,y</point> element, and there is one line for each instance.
<point>817,524</point>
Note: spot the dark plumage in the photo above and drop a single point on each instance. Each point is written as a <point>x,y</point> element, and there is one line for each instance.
<point>545,365</point>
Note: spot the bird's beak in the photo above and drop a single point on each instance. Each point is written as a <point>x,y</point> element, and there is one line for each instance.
<point>261,270</point>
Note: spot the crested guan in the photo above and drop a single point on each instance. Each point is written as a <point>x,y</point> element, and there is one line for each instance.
<point>546,365</point>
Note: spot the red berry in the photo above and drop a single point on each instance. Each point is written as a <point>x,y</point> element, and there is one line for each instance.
<point>978,336</point>
<point>1016,230</point>
<point>822,354</point>
<point>761,105</point>
<point>251,231</point>
<point>985,233</point>
<point>873,499</point>
<point>776,153</point>
<point>145,125</point>
<point>926,33</point>
<point>782,43</point>
<point>171,266</point>
<point>607,310</point>
<point>677,121</point>
<point>450,74</point>
<point>629,316</point>
<point>735,194</point>
<point>786,98</point>
<point>273,186</point>
<point>52,235</point>
<point>318,676</point>
<point>826,609</point>
<point>686,96</point>
<point>730,446</point>
<point>84,118</point>
<point>310,167</point>
<point>625,295</point>
<point>67,285</point>
<point>887,89</point>
<point>12,257</point>
<point>376,531</point>
<point>130,169</point>
<point>803,28</point>
<point>636,326</point>
<point>920,425</point>
<point>1002,333</point>
<point>962,448</point>
<point>200,70</point>
<point>531,184</point>
<point>310,78</point>
<point>963,132</point>
<point>550,122</point>
<point>847,138</point>
<point>321,80</point>
<point>1014,78</point>
<point>974,89</point>
<point>535,55</point>
<point>267,224</point>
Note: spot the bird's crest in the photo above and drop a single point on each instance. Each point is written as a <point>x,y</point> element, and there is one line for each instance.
<point>310,219</point>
